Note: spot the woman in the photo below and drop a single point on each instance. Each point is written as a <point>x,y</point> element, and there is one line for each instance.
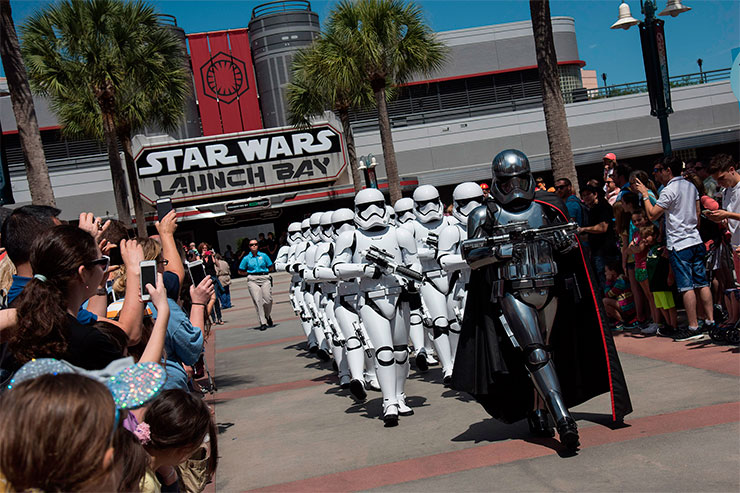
<point>68,268</point>
<point>210,265</point>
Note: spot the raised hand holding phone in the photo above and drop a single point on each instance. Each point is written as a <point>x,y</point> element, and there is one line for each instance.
<point>147,275</point>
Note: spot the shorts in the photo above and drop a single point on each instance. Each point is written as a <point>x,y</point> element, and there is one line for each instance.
<point>664,300</point>
<point>689,267</point>
<point>641,275</point>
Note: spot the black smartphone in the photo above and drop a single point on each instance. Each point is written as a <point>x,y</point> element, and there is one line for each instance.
<point>164,206</point>
<point>197,272</point>
<point>115,256</point>
<point>148,270</point>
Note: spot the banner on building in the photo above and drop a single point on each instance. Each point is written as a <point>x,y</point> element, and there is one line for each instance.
<point>201,168</point>
<point>224,82</point>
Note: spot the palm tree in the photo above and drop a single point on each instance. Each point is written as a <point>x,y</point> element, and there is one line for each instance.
<point>390,43</point>
<point>105,49</point>
<point>325,77</point>
<point>37,173</point>
<point>153,94</point>
<point>556,123</point>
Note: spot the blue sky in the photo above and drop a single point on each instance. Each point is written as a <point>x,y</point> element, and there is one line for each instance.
<point>709,31</point>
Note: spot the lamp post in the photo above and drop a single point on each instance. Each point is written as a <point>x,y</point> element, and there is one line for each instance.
<point>700,62</point>
<point>652,39</point>
<point>367,166</point>
<point>603,77</point>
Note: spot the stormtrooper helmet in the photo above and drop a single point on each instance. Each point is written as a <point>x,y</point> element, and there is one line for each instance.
<point>343,220</point>
<point>370,211</point>
<point>306,229</point>
<point>466,197</point>
<point>513,185</point>
<point>427,205</point>
<point>315,227</point>
<point>391,215</point>
<point>404,210</point>
<point>294,233</point>
<point>327,230</point>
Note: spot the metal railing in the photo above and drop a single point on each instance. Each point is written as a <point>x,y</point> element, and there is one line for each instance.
<point>281,6</point>
<point>675,81</point>
<point>167,20</point>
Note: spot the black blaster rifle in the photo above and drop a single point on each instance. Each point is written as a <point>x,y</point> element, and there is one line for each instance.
<point>384,260</point>
<point>519,232</point>
<point>432,240</point>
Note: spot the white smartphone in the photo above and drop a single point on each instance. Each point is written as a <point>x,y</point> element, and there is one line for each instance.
<point>197,271</point>
<point>148,275</point>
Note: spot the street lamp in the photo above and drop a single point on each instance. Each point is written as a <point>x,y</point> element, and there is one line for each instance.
<point>652,39</point>
<point>368,170</point>
<point>700,62</point>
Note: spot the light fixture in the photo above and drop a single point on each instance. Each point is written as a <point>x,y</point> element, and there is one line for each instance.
<point>625,20</point>
<point>373,162</point>
<point>673,8</point>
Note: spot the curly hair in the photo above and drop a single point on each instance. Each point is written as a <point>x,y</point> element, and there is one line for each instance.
<point>152,250</point>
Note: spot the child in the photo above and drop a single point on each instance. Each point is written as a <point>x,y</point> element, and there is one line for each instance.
<point>619,303</point>
<point>177,423</point>
<point>660,279</point>
<point>640,250</point>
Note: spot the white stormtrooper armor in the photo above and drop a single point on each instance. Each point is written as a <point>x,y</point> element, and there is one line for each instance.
<point>380,304</point>
<point>404,210</point>
<point>345,310</point>
<point>419,337</point>
<point>312,288</point>
<point>391,216</point>
<point>430,219</point>
<point>283,262</point>
<point>466,197</point>
<point>295,264</point>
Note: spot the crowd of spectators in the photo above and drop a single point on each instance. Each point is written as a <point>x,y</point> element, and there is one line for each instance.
<point>75,300</point>
<point>662,240</point>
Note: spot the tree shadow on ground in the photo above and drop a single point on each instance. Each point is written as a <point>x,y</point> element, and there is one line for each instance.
<point>222,427</point>
<point>226,380</point>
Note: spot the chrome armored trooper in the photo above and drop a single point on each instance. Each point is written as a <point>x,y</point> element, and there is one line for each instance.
<point>466,197</point>
<point>420,338</point>
<point>518,237</point>
<point>430,221</point>
<point>380,307</point>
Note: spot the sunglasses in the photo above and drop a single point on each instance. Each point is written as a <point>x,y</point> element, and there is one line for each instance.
<point>163,261</point>
<point>253,244</point>
<point>559,187</point>
<point>103,261</point>
<point>657,169</point>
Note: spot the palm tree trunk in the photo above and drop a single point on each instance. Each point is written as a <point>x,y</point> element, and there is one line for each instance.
<point>561,154</point>
<point>37,173</point>
<point>124,136</point>
<point>386,138</point>
<point>116,169</point>
<point>351,150</point>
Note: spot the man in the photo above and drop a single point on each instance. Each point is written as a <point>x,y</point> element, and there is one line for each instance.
<point>724,170</point>
<point>621,179</point>
<point>257,266</point>
<point>710,183</point>
<point>531,299</point>
<point>600,231</point>
<point>486,190</point>
<point>679,202</point>
<point>610,162</point>
<point>576,209</point>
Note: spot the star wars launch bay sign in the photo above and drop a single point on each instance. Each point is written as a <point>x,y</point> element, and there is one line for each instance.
<point>207,167</point>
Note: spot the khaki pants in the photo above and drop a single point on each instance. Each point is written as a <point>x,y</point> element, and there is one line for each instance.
<point>260,288</point>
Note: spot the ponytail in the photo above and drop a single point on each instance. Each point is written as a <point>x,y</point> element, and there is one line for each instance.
<point>56,256</point>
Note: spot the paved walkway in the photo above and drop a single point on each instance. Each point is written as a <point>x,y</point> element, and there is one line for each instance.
<point>286,426</point>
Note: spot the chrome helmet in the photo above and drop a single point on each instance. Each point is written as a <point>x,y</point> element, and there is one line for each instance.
<point>513,184</point>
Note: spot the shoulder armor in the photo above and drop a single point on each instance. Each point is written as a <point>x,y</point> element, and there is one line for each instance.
<point>476,220</point>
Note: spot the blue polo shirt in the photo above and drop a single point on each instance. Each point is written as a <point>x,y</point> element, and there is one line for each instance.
<point>256,264</point>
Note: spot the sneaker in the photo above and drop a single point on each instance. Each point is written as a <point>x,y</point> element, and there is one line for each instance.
<point>666,331</point>
<point>650,329</point>
<point>686,334</point>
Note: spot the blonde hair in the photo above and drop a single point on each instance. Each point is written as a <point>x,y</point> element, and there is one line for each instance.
<point>152,250</point>
<point>7,271</point>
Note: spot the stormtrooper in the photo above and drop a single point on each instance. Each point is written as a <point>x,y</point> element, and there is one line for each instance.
<point>539,345</point>
<point>292,261</point>
<point>283,261</point>
<point>466,197</point>
<point>380,307</point>
<point>404,212</point>
<point>430,221</point>
<point>344,305</point>
<point>312,289</point>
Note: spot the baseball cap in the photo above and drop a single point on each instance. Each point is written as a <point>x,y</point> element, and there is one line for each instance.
<point>484,186</point>
<point>610,155</point>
